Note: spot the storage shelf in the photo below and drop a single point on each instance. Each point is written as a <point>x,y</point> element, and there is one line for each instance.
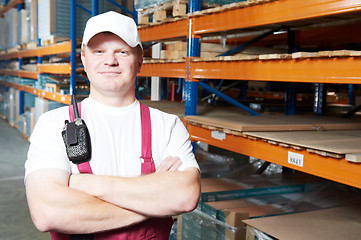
<point>290,13</point>
<point>277,12</point>
<point>19,73</point>
<point>40,93</point>
<point>312,70</point>
<point>59,48</point>
<point>170,30</point>
<point>169,69</point>
<point>64,47</point>
<point>338,170</point>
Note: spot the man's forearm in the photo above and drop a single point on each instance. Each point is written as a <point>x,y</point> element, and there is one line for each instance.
<point>158,194</point>
<point>71,211</point>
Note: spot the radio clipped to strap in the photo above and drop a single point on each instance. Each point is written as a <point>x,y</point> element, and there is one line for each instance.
<point>76,136</point>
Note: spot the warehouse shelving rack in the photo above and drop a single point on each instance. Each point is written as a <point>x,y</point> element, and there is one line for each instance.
<point>337,70</point>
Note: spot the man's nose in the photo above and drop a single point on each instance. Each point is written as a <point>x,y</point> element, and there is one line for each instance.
<point>110,59</point>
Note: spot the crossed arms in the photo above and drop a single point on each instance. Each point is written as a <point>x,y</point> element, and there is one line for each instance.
<point>84,203</point>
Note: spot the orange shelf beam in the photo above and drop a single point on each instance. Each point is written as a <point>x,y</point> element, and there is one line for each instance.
<point>338,170</point>
<point>40,93</point>
<point>64,47</point>
<point>11,55</point>
<point>176,29</point>
<point>54,68</point>
<point>28,53</point>
<point>27,74</point>
<point>276,12</point>
<point>312,70</point>
<point>19,73</point>
<point>174,70</point>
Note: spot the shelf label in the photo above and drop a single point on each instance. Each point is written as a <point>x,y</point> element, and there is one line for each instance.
<point>218,135</point>
<point>295,159</point>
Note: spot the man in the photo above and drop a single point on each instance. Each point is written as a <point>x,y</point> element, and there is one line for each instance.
<point>116,199</point>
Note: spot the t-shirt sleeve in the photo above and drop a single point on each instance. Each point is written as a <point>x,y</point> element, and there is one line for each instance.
<point>46,148</point>
<point>180,145</point>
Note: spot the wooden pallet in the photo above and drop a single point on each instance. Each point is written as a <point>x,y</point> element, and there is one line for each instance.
<point>284,56</point>
<point>178,50</point>
<point>230,6</point>
<point>29,45</point>
<point>51,40</point>
<point>162,12</point>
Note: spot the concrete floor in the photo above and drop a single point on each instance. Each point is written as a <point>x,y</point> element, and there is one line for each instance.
<point>15,221</point>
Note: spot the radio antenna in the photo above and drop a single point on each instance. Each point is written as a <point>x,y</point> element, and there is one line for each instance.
<point>75,107</point>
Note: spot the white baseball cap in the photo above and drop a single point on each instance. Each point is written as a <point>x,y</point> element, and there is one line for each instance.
<point>114,22</point>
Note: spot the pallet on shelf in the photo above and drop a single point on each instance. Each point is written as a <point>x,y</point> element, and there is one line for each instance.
<point>28,45</point>
<point>228,5</point>
<point>160,12</point>
<point>51,40</point>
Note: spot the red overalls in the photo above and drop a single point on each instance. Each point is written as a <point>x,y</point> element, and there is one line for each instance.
<point>154,228</point>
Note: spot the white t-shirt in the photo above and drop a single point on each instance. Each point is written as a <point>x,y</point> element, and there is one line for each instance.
<point>115,135</point>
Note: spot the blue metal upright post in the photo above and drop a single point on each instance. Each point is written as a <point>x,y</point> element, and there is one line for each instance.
<point>73,47</point>
<point>290,99</point>
<point>320,99</point>
<point>351,94</point>
<point>291,88</point>
<point>21,93</point>
<point>95,7</point>
<point>21,102</point>
<point>194,5</point>
<point>191,87</point>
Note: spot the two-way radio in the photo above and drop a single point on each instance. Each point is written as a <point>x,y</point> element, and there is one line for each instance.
<point>76,138</point>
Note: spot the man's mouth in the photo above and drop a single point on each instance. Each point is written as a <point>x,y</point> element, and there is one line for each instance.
<point>110,73</point>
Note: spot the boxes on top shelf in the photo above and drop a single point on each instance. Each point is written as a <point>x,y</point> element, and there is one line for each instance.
<point>159,10</point>
<point>2,34</point>
<point>11,27</point>
<point>175,50</point>
<point>31,18</point>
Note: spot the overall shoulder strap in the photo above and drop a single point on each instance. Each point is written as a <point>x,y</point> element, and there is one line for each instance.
<point>146,158</point>
<point>85,166</point>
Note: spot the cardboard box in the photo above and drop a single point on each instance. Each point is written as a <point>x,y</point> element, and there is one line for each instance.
<point>224,204</point>
<point>331,224</point>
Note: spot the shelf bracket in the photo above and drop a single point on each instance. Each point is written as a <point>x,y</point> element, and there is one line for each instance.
<point>228,99</point>
<point>247,44</point>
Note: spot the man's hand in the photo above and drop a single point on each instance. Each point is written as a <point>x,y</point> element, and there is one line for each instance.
<point>170,164</point>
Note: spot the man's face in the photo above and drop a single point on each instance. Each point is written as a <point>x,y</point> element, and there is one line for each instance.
<point>111,65</point>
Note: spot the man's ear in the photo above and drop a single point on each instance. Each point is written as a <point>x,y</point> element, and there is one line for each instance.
<point>82,57</point>
<point>140,63</point>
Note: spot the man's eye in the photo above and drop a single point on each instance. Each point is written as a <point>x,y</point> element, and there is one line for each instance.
<point>97,51</point>
<point>123,52</point>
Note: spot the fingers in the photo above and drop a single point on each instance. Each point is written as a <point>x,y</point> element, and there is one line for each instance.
<point>175,166</point>
<point>169,164</point>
